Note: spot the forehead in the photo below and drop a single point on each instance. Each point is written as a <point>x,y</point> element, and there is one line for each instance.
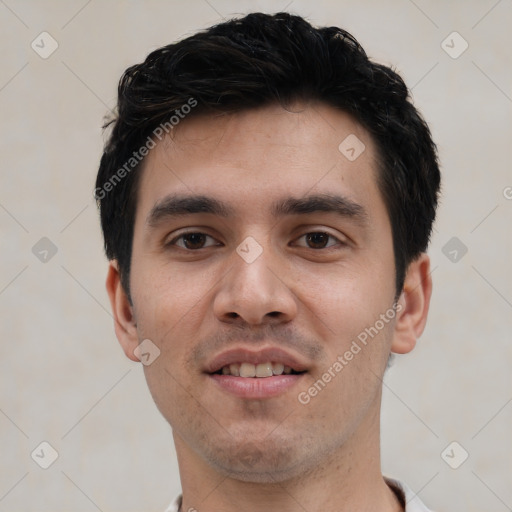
<point>255,157</point>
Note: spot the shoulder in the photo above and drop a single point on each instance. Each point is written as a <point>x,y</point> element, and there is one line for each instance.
<point>175,505</point>
<point>409,497</point>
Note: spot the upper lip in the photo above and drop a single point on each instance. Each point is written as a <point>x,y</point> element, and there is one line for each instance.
<point>255,356</point>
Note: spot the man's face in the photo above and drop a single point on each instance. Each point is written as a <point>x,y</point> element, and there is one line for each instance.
<point>277,268</point>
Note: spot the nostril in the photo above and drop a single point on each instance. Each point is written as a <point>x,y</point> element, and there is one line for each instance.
<point>274,313</point>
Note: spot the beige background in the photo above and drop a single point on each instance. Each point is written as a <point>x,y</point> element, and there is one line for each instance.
<point>63,377</point>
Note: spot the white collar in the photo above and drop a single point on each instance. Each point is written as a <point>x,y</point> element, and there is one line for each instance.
<point>412,502</point>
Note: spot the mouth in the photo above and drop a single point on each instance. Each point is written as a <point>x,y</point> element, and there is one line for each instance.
<point>253,374</point>
<point>257,371</point>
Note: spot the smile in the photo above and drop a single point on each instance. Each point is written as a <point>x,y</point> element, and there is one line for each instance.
<point>261,370</point>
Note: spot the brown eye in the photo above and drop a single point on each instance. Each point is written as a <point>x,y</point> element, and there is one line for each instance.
<point>317,240</point>
<point>193,241</point>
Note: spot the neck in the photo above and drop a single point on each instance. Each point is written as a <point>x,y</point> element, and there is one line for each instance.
<point>350,479</point>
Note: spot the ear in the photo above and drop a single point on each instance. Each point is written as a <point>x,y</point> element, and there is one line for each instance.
<point>124,319</point>
<point>412,306</point>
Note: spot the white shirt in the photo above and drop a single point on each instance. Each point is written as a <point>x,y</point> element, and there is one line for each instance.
<point>411,500</point>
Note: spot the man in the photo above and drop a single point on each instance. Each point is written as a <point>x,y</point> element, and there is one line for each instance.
<point>267,195</point>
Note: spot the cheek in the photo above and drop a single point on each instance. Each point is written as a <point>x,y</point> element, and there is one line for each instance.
<point>168,300</point>
<point>344,308</point>
<point>346,297</point>
<point>170,309</point>
<point>344,387</point>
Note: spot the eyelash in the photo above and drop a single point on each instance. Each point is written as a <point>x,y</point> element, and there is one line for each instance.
<point>181,237</point>
<point>174,240</point>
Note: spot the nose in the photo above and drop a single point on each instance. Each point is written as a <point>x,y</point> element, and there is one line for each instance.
<point>255,292</point>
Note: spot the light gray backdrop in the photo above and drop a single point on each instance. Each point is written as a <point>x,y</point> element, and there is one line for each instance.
<point>64,380</point>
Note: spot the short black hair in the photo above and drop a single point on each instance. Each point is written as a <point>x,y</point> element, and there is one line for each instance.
<point>257,60</point>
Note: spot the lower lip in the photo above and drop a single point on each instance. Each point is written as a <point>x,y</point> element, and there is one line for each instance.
<point>256,387</point>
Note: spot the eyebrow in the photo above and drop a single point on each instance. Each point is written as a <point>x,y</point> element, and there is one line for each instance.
<point>329,203</point>
<point>178,206</point>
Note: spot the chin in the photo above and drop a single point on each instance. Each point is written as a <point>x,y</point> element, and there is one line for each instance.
<point>259,462</point>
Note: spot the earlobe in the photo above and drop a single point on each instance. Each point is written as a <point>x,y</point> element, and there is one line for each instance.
<point>413,305</point>
<point>124,318</point>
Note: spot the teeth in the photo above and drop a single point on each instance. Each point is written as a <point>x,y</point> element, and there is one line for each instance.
<point>256,370</point>
<point>264,370</point>
<point>277,368</point>
<point>247,370</point>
